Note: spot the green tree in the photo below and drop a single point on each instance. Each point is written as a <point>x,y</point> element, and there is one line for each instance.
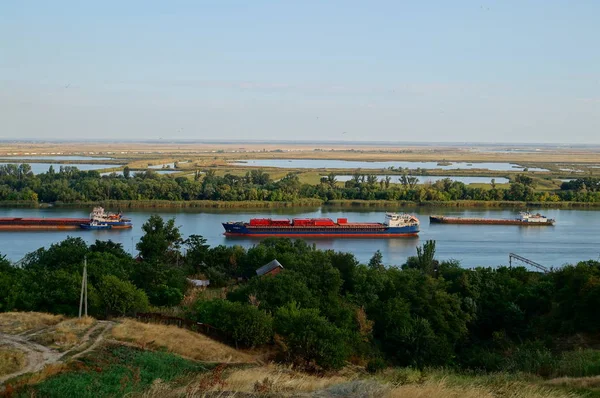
<point>161,240</point>
<point>245,324</point>
<point>309,339</point>
<point>118,298</point>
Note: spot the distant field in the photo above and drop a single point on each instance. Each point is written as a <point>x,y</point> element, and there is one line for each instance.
<point>168,151</point>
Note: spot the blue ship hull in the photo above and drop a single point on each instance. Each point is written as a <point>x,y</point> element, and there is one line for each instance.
<point>382,231</point>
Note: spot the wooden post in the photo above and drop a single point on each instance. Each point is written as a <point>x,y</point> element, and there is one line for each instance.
<point>83,288</point>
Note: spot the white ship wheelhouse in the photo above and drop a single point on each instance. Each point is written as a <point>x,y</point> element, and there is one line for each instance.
<point>400,220</point>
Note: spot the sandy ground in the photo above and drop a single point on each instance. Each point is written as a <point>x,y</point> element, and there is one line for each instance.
<point>38,356</point>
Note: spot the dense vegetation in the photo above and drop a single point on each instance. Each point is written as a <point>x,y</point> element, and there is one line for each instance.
<point>70,185</point>
<point>326,309</point>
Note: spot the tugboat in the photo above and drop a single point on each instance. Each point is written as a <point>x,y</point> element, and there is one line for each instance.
<point>114,220</point>
<point>95,225</point>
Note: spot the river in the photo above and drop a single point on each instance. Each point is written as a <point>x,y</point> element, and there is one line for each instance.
<point>575,237</point>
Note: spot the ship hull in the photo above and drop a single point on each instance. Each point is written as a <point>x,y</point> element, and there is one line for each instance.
<point>486,221</point>
<point>43,224</point>
<point>238,229</point>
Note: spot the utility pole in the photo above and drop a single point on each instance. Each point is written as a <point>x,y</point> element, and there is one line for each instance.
<point>83,289</point>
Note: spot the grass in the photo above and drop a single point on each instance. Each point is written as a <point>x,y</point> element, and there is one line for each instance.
<point>113,371</point>
<point>65,334</point>
<point>18,322</point>
<point>178,341</point>
<point>11,360</point>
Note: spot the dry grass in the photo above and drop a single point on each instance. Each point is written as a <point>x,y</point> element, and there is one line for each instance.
<point>440,389</point>
<point>65,334</point>
<point>178,341</point>
<point>11,360</point>
<point>279,379</point>
<point>18,322</point>
<point>575,382</point>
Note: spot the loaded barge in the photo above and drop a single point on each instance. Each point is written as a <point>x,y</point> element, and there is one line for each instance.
<point>394,225</point>
<point>97,217</point>
<point>523,219</point>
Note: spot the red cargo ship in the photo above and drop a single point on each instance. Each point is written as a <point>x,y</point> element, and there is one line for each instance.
<point>394,225</point>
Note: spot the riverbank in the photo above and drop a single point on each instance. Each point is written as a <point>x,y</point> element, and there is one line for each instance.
<point>309,202</point>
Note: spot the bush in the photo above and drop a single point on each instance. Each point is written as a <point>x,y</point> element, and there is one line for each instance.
<point>245,324</point>
<point>309,339</point>
<point>164,295</point>
<point>532,358</point>
<point>376,365</point>
<point>580,363</point>
<point>119,297</point>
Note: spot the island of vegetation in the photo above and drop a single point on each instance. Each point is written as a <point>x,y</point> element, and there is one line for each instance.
<point>529,334</point>
<point>68,185</point>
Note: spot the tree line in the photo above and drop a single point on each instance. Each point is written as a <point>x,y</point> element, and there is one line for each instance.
<point>71,185</point>
<point>326,309</point>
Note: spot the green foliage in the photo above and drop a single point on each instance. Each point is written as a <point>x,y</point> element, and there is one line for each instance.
<point>245,324</point>
<point>309,339</point>
<point>160,241</point>
<point>70,185</point>
<point>276,291</point>
<point>376,365</point>
<point>119,297</point>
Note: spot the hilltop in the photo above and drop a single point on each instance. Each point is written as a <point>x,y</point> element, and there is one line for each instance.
<point>50,355</point>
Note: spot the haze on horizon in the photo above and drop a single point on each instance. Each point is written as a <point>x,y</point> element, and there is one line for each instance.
<point>470,71</point>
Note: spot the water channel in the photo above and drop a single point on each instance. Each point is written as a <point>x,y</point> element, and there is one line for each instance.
<point>575,237</point>
<point>356,164</point>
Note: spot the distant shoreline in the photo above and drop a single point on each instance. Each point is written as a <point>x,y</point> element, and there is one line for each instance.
<point>314,203</point>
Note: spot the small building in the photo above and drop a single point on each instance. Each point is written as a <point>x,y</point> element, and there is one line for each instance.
<point>199,282</point>
<point>272,268</point>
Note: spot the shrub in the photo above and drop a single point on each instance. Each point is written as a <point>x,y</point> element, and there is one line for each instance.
<point>376,365</point>
<point>245,324</point>
<point>119,297</point>
<point>309,339</point>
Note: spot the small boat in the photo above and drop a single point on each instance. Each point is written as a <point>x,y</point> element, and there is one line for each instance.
<point>95,225</point>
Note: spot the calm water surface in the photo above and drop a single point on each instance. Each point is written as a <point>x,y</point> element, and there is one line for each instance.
<point>432,179</point>
<point>575,237</point>
<point>355,164</point>
<point>53,157</point>
<point>39,168</point>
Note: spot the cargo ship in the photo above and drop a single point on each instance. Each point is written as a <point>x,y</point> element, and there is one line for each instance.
<point>524,218</point>
<point>394,225</point>
<point>97,216</point>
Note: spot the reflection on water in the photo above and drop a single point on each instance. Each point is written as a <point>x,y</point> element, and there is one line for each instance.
<point>575,237</point>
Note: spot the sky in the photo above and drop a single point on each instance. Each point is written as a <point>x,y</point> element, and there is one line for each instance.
<point>434,71</point>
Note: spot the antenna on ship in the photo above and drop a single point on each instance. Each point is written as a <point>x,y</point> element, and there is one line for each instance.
<point>83,288</point>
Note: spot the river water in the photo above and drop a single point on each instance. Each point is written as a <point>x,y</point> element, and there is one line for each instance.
<point>575,237</point>
<point>360,164</point>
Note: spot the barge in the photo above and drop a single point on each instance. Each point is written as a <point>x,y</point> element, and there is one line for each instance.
<point>97,217</point>
<point>394,225</point>
<point>524,218</point>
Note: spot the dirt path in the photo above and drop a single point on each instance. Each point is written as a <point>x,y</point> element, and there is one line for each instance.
<point>38,356</point>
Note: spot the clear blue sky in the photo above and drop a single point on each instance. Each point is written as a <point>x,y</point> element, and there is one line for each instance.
<point>490,71</point>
